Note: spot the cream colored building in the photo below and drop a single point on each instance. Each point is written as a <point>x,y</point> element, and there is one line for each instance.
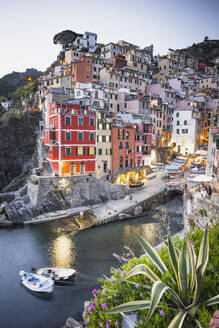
<point>209,83</point>
<point>136,62</point>
<point>167,65</point>
<point>72,56</point>
<point>104,148</point>
<point>124,78</point>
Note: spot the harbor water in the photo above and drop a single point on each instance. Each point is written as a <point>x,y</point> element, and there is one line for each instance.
<point>57,244</point>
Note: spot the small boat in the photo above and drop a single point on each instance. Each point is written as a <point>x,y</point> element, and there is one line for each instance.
<point>56,274</point>
<point>36,282</point>
<point>136,185</point>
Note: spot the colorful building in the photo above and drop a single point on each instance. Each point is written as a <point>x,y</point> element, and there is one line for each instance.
<point>71,139</point>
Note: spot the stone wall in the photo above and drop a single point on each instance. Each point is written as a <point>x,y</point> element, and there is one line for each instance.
<point>198,208</point>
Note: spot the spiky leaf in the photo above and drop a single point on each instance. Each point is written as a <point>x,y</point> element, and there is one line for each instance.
<point>204,251</point>
<point>182,274</point>
<point>152,254</point>
<point>213,300</point>
<point>177,322</point>
<point>157,292</point>
<point>192,259</point>
<point>130,306</point>
<point>142,269</point>
<point>173,259</point>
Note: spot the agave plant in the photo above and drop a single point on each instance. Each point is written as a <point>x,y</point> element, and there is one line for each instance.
<point>185,279</point>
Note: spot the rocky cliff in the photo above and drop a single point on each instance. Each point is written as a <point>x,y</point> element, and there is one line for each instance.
<point>18,139</point>
<point>9,83</point>
<point>205,51</point>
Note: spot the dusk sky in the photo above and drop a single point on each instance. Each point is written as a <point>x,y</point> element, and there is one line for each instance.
<point>27,27</point>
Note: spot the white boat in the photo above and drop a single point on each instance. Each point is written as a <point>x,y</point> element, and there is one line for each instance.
<point>56,273</point>
<point>36,282</point>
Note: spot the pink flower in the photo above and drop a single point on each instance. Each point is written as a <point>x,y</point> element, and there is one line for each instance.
<point>107,325</point>
<point>137,285</point>
<point>89,309</point>
<point>141,294</point>
<point>93,304</point>
<point>116,323</point>
<point>94,292</point>
<point>103,292</point>
<point>104,305</point>
<point>162,313</point>
<point>88,320</point>
<point>101,324</point>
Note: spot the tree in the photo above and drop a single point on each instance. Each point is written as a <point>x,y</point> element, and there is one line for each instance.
<point>65,38</point>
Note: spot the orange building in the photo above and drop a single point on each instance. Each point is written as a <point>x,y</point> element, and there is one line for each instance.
<point>82,70</point>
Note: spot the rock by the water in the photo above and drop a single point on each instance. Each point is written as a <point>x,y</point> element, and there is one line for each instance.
<point>71,323</point>
<point>129,321</point>
<point>138,210</point>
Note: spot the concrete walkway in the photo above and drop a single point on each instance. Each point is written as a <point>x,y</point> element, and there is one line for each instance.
<point>152,187</point>
<point>106,211</point>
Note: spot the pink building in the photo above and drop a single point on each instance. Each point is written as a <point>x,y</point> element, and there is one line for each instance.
<point>133,103</point>
<point>143,140</point>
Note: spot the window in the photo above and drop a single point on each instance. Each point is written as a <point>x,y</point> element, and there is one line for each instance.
<point>177,114</point>
<point>64,107</point>
<point>125,105</point>
<point>120,145</point>
<point>177,123</point>
<point>127,145</point>
<point>177,131</point>
<point>67,120</point>
<point>90,151</point>
<point>185,122</point>
<point>80,151</point>
<point>67,151</point>
<point>67,136</point>
<point>121,161</point>
<point>92,136</point>
<point>80,121</point>
<point>184,130</point>
<point>100,151</point>
<point>91,121</point>
<point>80,136</point>
<point>103,138</point>
<point>127,135</point>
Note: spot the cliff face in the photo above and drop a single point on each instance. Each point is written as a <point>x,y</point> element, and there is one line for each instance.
<point>9,83</point>
<point>18,141</point>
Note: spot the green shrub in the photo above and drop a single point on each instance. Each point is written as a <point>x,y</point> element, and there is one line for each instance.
<point>138,287</point>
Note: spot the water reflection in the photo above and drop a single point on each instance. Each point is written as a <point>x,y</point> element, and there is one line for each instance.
<point>150,231</point>
<point>62,252</point>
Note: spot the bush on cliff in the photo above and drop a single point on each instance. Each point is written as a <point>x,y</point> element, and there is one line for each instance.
<point>138,287</point>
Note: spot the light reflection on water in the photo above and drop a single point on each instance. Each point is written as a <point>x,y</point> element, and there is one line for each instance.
<point>150,231</point>
<point>62,252</point>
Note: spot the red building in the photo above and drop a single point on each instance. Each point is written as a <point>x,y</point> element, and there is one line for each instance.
<point>71,139</point>
<point>118,61</point>
<point>123,146</point>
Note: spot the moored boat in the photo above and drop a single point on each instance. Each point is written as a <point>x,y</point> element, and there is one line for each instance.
<point>56,274</point>
<point>36,282</point>
<point>136,185</point>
